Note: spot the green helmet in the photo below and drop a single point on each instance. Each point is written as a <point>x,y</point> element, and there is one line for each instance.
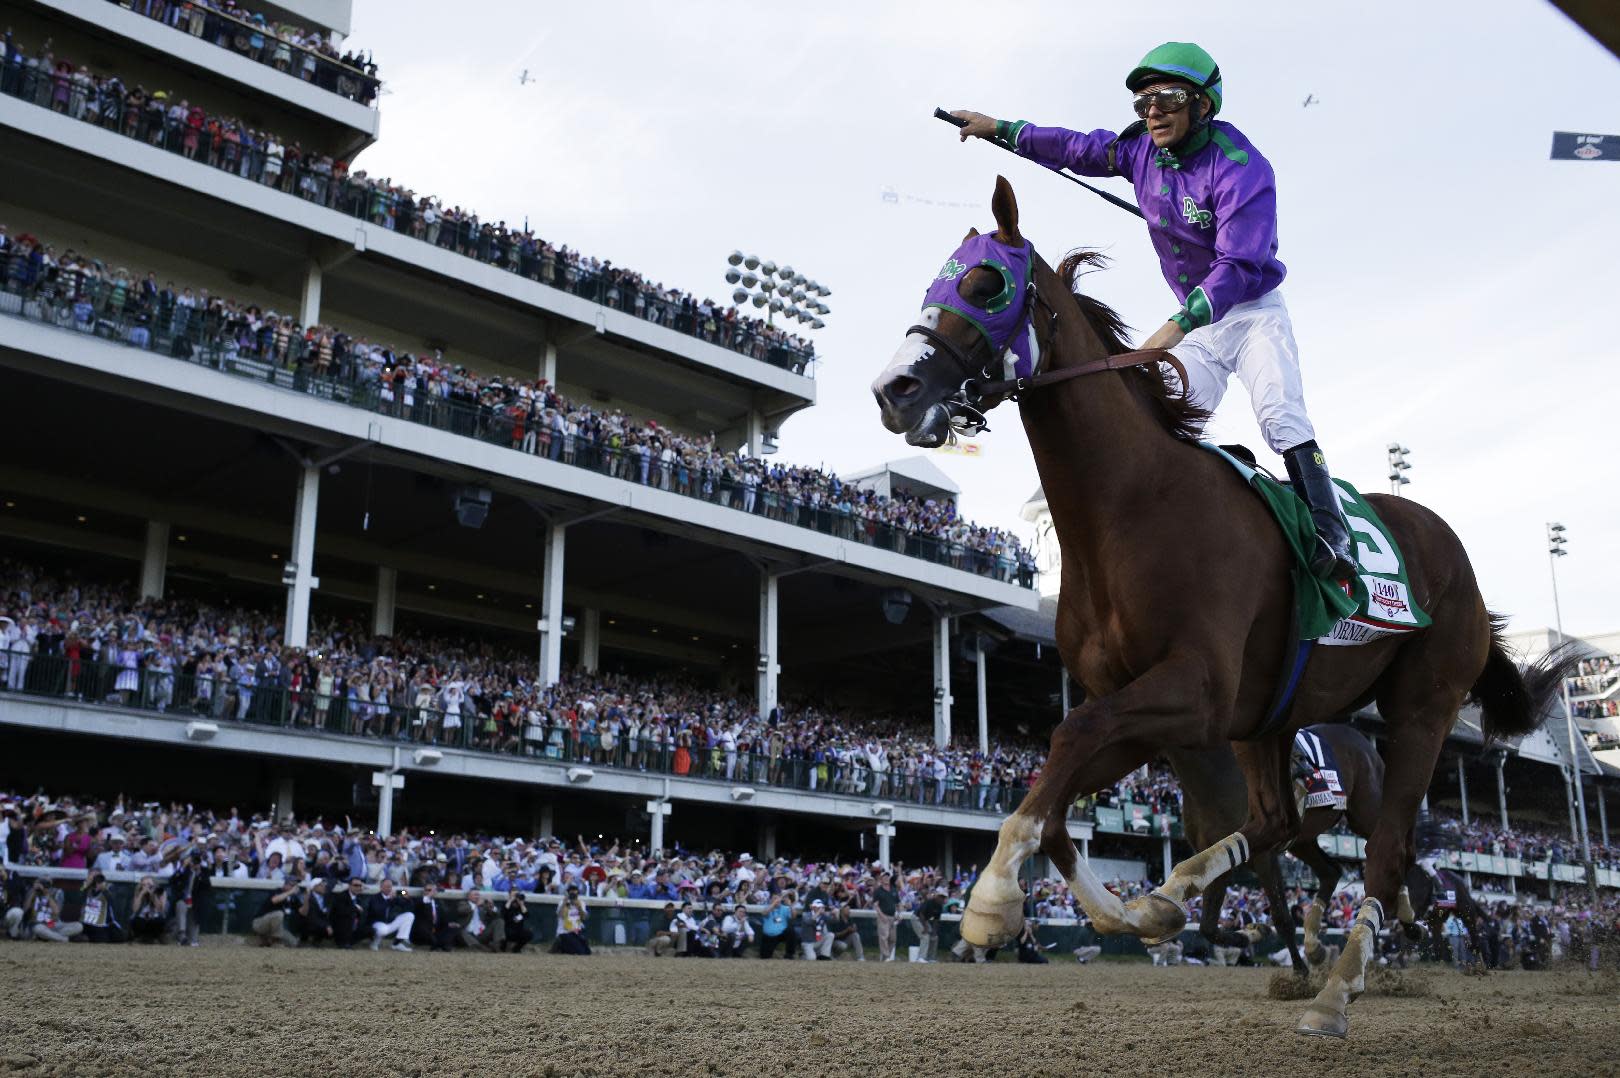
<point>1180,60</point>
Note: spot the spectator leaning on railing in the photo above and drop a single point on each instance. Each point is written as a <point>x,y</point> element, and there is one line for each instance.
<point>528,416</point>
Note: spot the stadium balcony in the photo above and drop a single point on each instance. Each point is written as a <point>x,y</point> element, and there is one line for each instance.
<point>235,67</point>
<point>318,249</point>
<point>558,762</point>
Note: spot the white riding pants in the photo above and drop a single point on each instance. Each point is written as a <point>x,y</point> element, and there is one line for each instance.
<point>1255,341</point>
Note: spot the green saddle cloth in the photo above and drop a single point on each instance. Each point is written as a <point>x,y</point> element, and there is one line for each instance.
<point>1375,603</point>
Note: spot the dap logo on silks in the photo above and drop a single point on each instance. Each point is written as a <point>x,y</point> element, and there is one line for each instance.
<point>1194,215</point>
<point>951,270</point>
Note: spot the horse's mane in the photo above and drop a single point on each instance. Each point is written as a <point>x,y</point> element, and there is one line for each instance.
<point>1158,386</point>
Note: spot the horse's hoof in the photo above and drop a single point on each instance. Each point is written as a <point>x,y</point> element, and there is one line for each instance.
<point>992,928</point>
<point>1412,932</point>
<point>1319,1022</point>
<point>1316,955</point>
<point>1155,918</point>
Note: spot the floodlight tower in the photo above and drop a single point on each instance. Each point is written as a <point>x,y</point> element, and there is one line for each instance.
<point>1398,467</point>
<point>780,290</point>
<point>1556,543</point>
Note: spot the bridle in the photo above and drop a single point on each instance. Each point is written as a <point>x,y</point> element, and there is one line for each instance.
<point>978,394</point>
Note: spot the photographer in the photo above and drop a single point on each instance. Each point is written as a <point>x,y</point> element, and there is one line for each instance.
<point>664,937</point>
<point>571,918</point>
<point>148,911</point>
<point>846,934</point>
<point>390,914</point>
<point>778,929</point>
<point>315,913</point>
<point>98,917</point>
<point>44,905</point>
<point>486,929</point>
<point>347,910</point>
<point>735,931</point>
<point>515,917</point>
<point>815,933</point>
<point>188,891</point>
<point>280,907</point>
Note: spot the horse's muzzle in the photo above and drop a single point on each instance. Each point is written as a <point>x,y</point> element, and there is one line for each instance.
<point>899,398</point>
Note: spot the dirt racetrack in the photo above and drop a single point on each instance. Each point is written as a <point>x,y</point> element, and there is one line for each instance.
<point>228,1008</point>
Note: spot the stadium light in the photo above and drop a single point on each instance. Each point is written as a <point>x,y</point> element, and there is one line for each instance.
<point>1578,829</point>
<point>781,290</point>
<point>1398,467</point>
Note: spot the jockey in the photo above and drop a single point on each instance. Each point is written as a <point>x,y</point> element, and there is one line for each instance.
<point>1210,200</point>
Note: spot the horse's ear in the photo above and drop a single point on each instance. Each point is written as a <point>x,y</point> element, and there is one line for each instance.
<point>971,233</point>
<point>1005,207</point>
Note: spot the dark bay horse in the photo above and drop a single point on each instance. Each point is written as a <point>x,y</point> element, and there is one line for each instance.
<point>1175,608</point>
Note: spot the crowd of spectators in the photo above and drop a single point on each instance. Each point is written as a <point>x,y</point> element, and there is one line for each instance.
<point>1528,841</point>
<point>172,123</point>
<point>1593,688</point>
<point>102,643</point>
<point>526,415</point>
<point>293,50</point>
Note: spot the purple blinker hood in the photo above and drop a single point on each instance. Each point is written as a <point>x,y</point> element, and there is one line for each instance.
<point>1005,321</point>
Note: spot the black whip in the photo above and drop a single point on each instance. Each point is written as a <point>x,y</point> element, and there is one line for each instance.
<point>941,114</point>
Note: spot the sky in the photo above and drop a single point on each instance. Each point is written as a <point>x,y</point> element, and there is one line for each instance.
<point>1451,288</point>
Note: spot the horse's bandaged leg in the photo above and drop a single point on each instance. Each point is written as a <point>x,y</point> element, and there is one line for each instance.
<point>1404,912</point>
<point>1314,913</point>
<point>1106,911</point>
<point>1162,913</point>
<point>1326,1017</point>
<point>995,911</point>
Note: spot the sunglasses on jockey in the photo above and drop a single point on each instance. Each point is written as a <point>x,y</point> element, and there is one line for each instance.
<point>1168,101</point>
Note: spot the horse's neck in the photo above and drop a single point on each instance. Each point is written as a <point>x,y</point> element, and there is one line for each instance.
<point>1095,444</point>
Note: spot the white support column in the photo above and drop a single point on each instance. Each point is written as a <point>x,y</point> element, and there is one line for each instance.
<point>590,641</point>
<point>551,605</point>
<point>548,364</point>
<point>984,701</point>
<point>284,798</point>
<point>155,561</point>
<point>768,667</point>
<point>543,823</point>
<point>1501,789</point>
<point>387,782</point>
<point>942,680</point>
<point>309,304</point>
<point>1462,787</point>
<point>885,835</point>
<point>1169,863</point>
<point>1603,813</point>
<point>382,607</point>
<point>659,808</point>
<point>300,564</point>
<point>1085,849</point>
<point>756,433</point>
<point>1063,690</point>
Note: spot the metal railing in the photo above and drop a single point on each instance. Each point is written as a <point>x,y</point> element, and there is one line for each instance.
<point>258,158</point>
<point>134,683</point>
<point>260,43</point>
<point>115,311</point>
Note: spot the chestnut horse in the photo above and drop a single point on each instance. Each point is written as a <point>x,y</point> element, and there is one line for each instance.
<point>1175,609</point>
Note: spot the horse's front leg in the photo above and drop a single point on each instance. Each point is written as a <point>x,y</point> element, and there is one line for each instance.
<point>1161,913</point>
<point>1096,744</point>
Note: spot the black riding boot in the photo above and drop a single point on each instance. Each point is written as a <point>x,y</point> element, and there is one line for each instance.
<point>1307,470</point>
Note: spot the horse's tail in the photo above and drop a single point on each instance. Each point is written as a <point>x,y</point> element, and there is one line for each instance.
<point>1514,702</point>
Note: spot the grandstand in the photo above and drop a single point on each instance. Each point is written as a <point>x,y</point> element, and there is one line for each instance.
<point>243,377</point>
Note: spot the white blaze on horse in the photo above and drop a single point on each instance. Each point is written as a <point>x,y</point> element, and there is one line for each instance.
<point>1177,605</point>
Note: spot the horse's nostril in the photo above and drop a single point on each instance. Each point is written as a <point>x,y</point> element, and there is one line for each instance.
<point>902,388</point>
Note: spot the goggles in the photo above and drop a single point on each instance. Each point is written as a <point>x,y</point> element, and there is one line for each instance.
<point>1168,101</point>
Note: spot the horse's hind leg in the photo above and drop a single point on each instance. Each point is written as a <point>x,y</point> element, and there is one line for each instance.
<point>1271,822</point>
<point>1327,878</point>
<point>1421,730</point>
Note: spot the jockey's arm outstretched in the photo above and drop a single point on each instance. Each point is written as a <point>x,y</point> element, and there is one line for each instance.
<point>1210,201</point>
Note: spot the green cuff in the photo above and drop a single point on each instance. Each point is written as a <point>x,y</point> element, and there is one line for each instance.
<point>1008,131</point>
<point>1198,308</point>
<point>1180,318</point>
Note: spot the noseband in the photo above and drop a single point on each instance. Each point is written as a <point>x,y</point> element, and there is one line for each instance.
<point>977,395</point>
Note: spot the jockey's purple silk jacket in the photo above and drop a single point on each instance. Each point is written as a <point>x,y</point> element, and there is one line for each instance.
<point>1211,210</point>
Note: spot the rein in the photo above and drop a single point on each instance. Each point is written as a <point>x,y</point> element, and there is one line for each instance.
<point>1010,388</point>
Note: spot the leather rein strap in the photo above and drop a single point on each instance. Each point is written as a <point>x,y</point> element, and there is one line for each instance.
<point>1012,387</point>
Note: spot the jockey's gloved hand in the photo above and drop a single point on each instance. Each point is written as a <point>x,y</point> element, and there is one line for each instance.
<point>978,125</point>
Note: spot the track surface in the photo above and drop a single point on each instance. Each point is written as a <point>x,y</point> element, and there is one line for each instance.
<point>228,1008</point>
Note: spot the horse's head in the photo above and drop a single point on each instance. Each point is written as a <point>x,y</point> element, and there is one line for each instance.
<point>975,325</point>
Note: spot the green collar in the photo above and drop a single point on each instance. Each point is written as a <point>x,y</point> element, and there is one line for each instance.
<point>1173,158</point>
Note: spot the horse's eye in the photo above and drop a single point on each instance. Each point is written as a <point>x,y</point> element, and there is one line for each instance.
<point>979,285</point>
